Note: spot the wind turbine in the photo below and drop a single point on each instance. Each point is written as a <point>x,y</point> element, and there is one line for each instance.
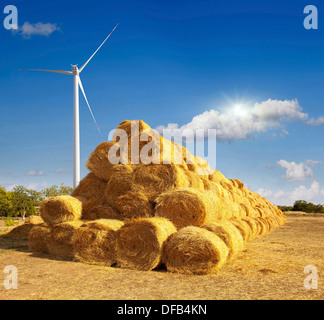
<point>76,125</point>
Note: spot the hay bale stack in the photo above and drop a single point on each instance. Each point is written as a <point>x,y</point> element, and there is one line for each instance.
<point>166,188</point>
<point>190,207</point>
<point>145,145</point>
<point>94,210</point>
<point>229,234</point>
<point>120,182</point>
<point>60,209</point>
<point>243,228</point>
<point>59,242</point>
<point>90,187</point>
<point>262,226</point>
<point>38,237</point>
<point>194,250</point>
<point>255,227</point>
<point>134,205</point>
<point>95,242</point>
<point>196,182</point>
<point>100,163</point>
<point>154,179</point>
<point>139,242</point>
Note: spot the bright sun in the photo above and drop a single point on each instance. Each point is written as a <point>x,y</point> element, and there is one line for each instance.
<point>239,110</point>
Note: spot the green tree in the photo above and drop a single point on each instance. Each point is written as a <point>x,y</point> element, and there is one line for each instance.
<point>23,203</point>
<point>55,191</point>
<point>309,207</point>
<point>5,202</point>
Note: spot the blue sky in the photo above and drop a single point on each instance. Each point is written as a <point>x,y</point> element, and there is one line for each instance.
<point>189,63</point>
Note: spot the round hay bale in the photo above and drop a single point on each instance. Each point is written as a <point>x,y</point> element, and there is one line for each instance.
<point>21,231</point>
<point>263,228</point>
<point>203,169</point>
<point>227,195</point>
<point>138,127</point>
<point>90,187</point>
<point>278,220</point>
<point>59,242</point>
<point>208,185</point>
<point>38,237</point>
<point>259,211</point>
<point>195,181</point>
<point>229,234</point>
<point>119,183</point>
<point>255,228</point>
<point>236,211</point>
<point>99,162</point>
<point>60,209</point>
<point>267,223</point>
<point>84,200</point>
<point>239,183</point>
<point>145,145</point>
<point>94,210</point>
<point>243,228</point>
<point>185,207</point>
<point>234,183</point>
<point>271,222</point>
<point>194,250</point>
<point>34,220</point>
<point>227,186</point>
<point>139,242</point>
<point>155,179</point>
<point>134,205</point>
<point>247,209</point>
<point>218,189</point>
<point>95,242</point>
<point>217,176</point>
<point>199,166</point>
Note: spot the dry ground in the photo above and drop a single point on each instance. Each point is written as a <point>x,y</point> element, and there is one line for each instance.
<point>270,267</point>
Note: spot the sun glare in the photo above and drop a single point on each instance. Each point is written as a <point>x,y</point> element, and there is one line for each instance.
<point>239,110</point>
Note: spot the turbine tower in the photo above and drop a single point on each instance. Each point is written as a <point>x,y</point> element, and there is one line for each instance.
<point>76,125</point>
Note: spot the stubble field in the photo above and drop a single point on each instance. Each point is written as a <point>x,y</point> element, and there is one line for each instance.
<point>270,267</point>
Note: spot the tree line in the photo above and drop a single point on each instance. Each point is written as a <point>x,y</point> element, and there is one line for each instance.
<point>302,205</point>
<point>24,202</point>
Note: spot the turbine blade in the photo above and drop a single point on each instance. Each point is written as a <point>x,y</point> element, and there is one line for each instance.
<point>55,71</point>
<point>97,49</point>
<point>85,97</point>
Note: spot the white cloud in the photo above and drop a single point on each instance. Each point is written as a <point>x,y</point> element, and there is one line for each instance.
<point>316,122</point>
<point>276,110</point>
<point>264,192</point>
<point>34,173</point>
<point>301,192</point>
<point>279,194</point>
<point>43,29</point>
<point>233,125</point>
<point>298,171</point>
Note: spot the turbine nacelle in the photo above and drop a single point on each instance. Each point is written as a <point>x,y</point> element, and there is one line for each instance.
<point>75,70</point>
